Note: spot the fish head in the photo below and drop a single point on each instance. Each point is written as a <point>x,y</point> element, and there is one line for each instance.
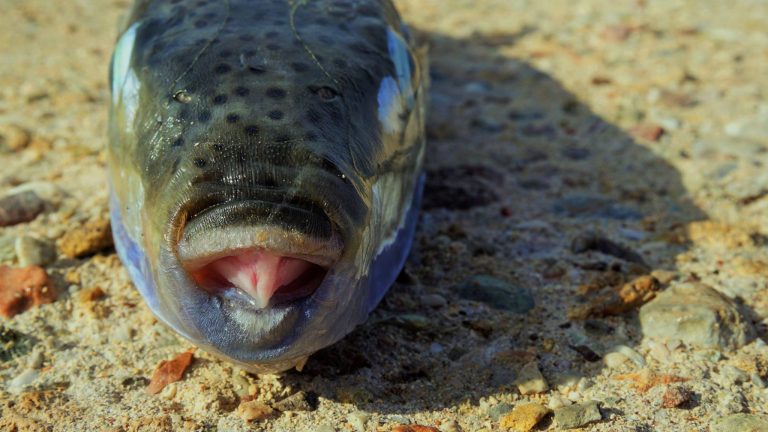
<point>251,211</point>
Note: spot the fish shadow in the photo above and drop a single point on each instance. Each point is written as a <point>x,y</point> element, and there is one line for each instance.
<point>517,168</point>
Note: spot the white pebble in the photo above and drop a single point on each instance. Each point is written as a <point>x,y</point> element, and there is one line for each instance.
<point>631,354</point>
<point>614,359</point>
<point>22,380</point>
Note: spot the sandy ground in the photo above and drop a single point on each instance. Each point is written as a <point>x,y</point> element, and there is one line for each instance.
<point>638,128</point>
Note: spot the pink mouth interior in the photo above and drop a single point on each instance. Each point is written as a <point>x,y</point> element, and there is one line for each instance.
<point>267,277</point>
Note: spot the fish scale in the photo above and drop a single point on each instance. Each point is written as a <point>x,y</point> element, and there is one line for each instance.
<point>291,127</point>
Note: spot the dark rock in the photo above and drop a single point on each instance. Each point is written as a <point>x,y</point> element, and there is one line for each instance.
<point>596,242</point>
<point>301,401</point>
<point>19,208</point>
<point>586,352</point>
<point>496,293</point>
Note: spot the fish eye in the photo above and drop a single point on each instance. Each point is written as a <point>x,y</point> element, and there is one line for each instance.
<point>325,93</point>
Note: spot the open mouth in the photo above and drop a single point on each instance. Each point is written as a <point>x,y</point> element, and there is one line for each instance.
<point>270,264</point>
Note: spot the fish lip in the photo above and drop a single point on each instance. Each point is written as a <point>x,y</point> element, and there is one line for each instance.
<point>213,234</point>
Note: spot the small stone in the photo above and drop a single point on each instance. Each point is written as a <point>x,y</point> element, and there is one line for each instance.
<point>450,426</point>
<point>301,401</point>
<point>19,208</point>
<point>592,241</point>
<point>14,137</point>
<point>676,396</point>
<point>358,420</point>
<point>31,251</point>
<point>658,351</point>
<point>530,380</point>
<point>578,415</point>
<point>433,300</point>
<point>614,360</point>
<point>36,359</point>
<point>22,380</point>
<point>169,371</point>
<point>96,235</point>
<point>524,417</point>
<point>496,293</point>
<point>741,423</point>
<point>22,289</point>
<point>557,401</point>
<point>631,354</point>
<point>499,410</point>
<point>730,402</point>
<point>253,410</point>
<point>650,132</point>
<point>698,315</point>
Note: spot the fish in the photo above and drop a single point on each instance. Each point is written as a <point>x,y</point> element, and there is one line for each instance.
<point>265,166</point>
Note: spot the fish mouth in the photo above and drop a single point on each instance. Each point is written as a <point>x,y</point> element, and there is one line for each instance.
<point>263,254</point>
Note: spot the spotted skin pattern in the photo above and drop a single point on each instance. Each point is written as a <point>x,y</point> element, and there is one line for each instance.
<point>312,108</point>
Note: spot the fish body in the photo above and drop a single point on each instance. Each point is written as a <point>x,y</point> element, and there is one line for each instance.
<point>265,168</point>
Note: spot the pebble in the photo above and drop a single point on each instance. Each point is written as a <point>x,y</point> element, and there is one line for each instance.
<point>650,132</point>
<point>698,315</point>
<point>497,411</point>
<point>734,375</point>
<point>658,351</point>
<point>22,380</point>
<point>587,206</point>
<point>597,242</point>
<point>525,417</point>
<point>358,420</point>
<point>301,401</point>
<point>14,137</point>
<point>741,423</point>
<point>450,426</point>
<point>31,251</point>
<point>93,237</point>
<point>530,380</point>
<point>578,415</point>
<point>557,401</point>
<point>676,396</point>
<point>253,411</point>
<point>631,354</point>
<point>614,360</point>
<point>433,300</point>
<point>496,293</point>
<point>22,289</point>
<point>19,208</point>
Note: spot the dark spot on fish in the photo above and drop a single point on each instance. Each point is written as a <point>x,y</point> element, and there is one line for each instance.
<point>200,42</point>
<point>276,115</point>
<point>278,23</point>
<point>251,130</point>
<point>331,167</point>
<point>200,163</point>
<point>273,47</point>
<point>220,99</point>
<point>321,21</point>
<point>210,15</point>
<point>310,136</point>
<point>340,63</point>
<point>300,67</point>
<point>218,147</point>
<point>326,40</point>
<point>178,142</point>
<point>204,117</point>
<point>246,38</point>
<point>282,139</point>
<point>201,23</point>
<point>225,53</point>
<point>271,35</point>
<point>256,70</point>
<point>232,118</point>
<point>222,68</point>
<point>325,93</point>
<point>242,91</point>
<point>275,93</point>
<point>361,47</point>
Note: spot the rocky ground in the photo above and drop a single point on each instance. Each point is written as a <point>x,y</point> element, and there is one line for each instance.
<point>592,251</point>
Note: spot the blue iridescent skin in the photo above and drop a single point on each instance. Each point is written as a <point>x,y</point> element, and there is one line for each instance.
<point>292,128</point>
